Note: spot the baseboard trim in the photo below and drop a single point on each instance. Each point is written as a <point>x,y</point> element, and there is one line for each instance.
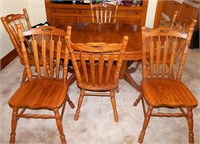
<point>7,59</point>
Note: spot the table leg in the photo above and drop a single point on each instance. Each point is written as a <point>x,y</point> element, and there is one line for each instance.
<point>72,79</point>
<point>125,74</point>
<point>131,81</point>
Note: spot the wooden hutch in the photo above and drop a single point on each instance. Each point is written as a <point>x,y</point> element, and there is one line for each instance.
<point>61,14</point>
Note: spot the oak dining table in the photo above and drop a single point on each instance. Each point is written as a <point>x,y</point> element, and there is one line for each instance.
<point>111,33</point>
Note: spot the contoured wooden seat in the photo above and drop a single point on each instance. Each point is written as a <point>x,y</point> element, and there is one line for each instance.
<point>161,85</point>
<point>47,91</point>
<point>97,67</point>
<point>103,12</point>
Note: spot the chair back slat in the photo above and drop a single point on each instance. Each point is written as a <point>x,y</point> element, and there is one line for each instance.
<point>161,51</point>
<point>16,39</point>
<point>165,57</point>
<point>58,57</point>
<point>51,55</point>
<point>84,67</point>
<point>44,57</point>
<point>92,67</point>
<point>172,56</point>
<point>103,12</point>
<point>101,68</point>
<point>158,56</point>
<point>109,67</point>
<point>48,44</point>
<point>151,57</point>
<point>36,56</point>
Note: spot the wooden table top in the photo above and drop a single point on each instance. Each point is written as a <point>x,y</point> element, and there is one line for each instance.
<point>110,33</point>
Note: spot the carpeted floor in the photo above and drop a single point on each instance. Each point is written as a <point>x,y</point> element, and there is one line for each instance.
<point>96,124</point>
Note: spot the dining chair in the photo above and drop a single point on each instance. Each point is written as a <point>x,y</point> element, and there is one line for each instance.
<point>103,12</point>
<point>47,91</point>
<point>182,23</point>
<point>97,66</point>
<point>161,84</point>
<point>10,22</point>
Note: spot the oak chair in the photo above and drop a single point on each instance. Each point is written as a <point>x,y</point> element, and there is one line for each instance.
<point>10,22</point>
<point>182,23</point>
<point>161,85</point>
<point>103,12</point>
<point>47,91</point>
<point>97,67</point>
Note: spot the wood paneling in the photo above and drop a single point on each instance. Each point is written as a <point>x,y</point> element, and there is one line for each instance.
<point>7,59</point>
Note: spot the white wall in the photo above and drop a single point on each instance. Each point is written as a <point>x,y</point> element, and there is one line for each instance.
<point>37,14</point>
<point>151,10</point>
<point>1,29</point>
<point>8,7</point>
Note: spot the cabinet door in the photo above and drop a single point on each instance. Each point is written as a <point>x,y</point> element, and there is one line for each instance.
<point>175,7</point>
<point>86,15</point>
<point>167,6</point>
<point>61,17</point>
<point>188,11</point>
<point>129,16</point>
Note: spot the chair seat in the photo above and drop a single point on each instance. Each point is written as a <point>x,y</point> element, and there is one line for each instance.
<point>39,94</point>
<point>167,93</point>
<point>96,86</point>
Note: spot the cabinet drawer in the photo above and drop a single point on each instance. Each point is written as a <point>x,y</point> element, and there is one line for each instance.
<point>86,12</point>
<point>175,7</point>
<point>129,21</point>
<point>65,11</point>
<point>129,13</point>
<point>86,19</point>
<point>189,11</point>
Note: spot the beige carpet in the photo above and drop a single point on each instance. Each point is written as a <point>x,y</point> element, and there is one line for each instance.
<point>96,124</point>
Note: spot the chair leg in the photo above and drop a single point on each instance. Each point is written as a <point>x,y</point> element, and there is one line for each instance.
<point>143,106</point>
<point>138,99</point>
<point>190,125</point>
<point>113,101</point>
<point>145,124</point>
<point>71,104</point>
<point>117,89</point>
<point>13,125</point>
<point>60,127</point>
<point>80,101</point>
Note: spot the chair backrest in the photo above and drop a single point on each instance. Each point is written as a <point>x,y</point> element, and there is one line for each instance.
<point>103,12</point>
<point>97,61</point>
<point>48,43</point>
<point>161,50</point>
<point>182,23</point>
<point>10,22</point>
